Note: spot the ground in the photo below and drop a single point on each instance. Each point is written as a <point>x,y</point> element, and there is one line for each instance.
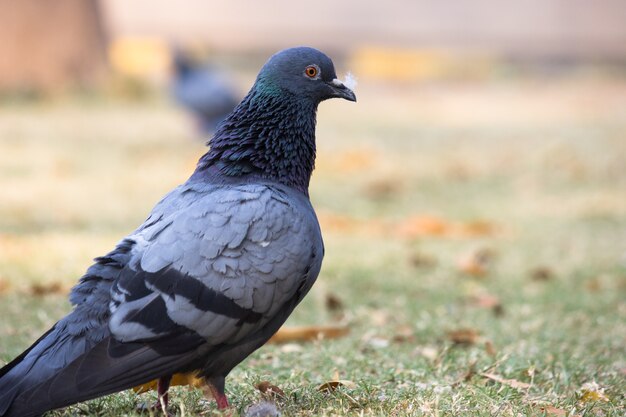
<point>475,243</point>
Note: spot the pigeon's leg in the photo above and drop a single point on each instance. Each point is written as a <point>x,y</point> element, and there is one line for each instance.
<point>216,386</point>
<point>160,405</point>
<point>163,397</point>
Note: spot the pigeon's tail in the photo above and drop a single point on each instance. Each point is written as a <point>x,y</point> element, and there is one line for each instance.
<point>60,370</point>
<point>42,361</point>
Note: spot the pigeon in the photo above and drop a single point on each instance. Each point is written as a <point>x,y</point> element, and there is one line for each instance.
<point>213,272</point>
<point>203,90</point>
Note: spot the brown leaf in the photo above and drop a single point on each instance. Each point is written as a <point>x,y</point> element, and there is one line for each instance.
<point>308,333</point>
<point>421,260</point>
<point>476,228</point>
<point>333,302</point>
<point>477,262</point>
<point>356,160</point>
<point>403,334</point>
<point>336,222</point>
<point>542,273</point>
<point>425,225</point>
<point>458,171</point>
<point>513,383</point>
<point>488,301</point>
<point>551,411</point>
<point>382,188</point>
<point>269,390</point>
<point>40,289</point>
<point>490,349</point>
<point>594,284</point>
<point>422,225</point>
<point>5,286</point>
<point>336,383</point>
<point>463,336</point>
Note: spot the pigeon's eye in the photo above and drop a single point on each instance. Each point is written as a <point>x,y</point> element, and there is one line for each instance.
<point>311,71</point>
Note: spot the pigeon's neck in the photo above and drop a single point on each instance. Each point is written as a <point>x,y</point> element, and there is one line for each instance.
<point>270,134</point>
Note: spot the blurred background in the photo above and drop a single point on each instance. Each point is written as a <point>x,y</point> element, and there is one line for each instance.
<point>477,186</point>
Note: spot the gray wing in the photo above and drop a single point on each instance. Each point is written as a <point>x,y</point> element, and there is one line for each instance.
<point>222,266</point>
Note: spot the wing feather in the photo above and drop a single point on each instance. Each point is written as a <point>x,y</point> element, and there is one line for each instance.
<point>234,255</point>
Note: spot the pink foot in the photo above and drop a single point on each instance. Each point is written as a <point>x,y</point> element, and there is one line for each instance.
<point>216,387</point>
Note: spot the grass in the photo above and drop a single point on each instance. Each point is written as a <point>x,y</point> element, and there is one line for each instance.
<point>541,162</point>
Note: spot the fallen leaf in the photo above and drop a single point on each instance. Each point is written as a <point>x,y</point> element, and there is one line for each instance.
<point>422,225</point>
<point>356,160</point>
<point>475,228</point>
<point>420,260</point>
<point>464,336</point>
<point>335,222</point>
<point>594,284</point>
<point>270,390</point>
<point>190,378</point>
<point>382,188</point>
<point>551,411</point>
<point>333,302</point>
<point>335,383</point>
<point>513,383</point>
<point>426,225</point>
<point>542,273</point>
<point>476,262</point>
<point>485,300</point>
<point>403,334</point>
<point>458,171</point>
<point>488,301</point>
<point>40,289</point>
<point>4,286</point>
<point>490,349</point>
<point>308,333</point>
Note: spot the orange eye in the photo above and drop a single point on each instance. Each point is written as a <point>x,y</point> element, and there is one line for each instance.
<point>311,71</point>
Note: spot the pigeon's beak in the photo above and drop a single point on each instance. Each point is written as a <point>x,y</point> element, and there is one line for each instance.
<point>341,91</point>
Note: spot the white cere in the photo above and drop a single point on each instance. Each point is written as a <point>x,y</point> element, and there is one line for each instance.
<point>350,81</point>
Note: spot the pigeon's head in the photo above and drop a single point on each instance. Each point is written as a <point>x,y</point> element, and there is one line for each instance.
<point>304,72</point>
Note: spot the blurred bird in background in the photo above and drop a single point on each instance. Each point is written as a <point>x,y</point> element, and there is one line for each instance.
<point>203,90</point>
